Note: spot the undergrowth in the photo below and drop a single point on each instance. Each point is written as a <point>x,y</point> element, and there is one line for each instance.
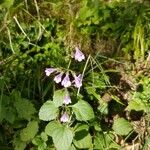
<point>102,46</point>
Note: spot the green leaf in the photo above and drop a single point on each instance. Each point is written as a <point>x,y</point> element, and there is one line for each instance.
<point>39,143</point>
<point>72,147</point>
<point>62,136</point>
<point>58,97</point>
<point>99,141</point>
<point>122,126</point>
<point>10,114</point>
<point>147,143</point>
<point>82,137</point>
<point>48,111</point>
<point>83,111</point>
<point>103,108</point>
<point>138,105</point>
<point>44,136</point>
<point>30,131</point>
<point>92,91</point>
<point>7,111</point>
<point>25,108</point>
<point>18,144</point>
<point>7,3</point>
<point>140,100</point>
<point>51,127</point>
<point>105,141</point>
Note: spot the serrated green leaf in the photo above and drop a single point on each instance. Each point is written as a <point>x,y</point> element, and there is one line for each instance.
<point>30,131</point>
<point>62,138</point>
<point>82,138</point>
<point>48,111</point>
<point>58,97</point>
<point>51,127</point>
<point>25,108</point>
<point>122,126</point>
<point>83,111</point>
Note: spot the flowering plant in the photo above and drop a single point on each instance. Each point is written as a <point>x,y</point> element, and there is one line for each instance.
<point>65,108</point>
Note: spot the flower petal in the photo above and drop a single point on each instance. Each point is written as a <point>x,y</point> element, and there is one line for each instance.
<point>49,71</point>
<point>66,81</point>
<point>57,78</point>
<point>67,99</point>
<point>79,56</point>
<point>64,117</point>
<point>78,81</point>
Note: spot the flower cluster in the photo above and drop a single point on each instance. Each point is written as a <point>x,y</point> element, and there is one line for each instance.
<point>64,78</point>
<point>66,82</point>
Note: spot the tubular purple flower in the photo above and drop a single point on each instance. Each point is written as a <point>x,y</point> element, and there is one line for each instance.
<point>78,80</point>
<point>66,81</point>
<point>67,99</point>
<point>58,78</point>
<point>49,71</point>
<point>64,117</point>
<point>79,56</point>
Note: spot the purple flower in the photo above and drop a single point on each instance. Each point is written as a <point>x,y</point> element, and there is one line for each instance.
<point>79,56</point>
<point>78,81</point>
<point>48,71</point>
<point>57,78</point>
<point>64,117</point>
<point>66,81</point>
<point>67,99</point>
